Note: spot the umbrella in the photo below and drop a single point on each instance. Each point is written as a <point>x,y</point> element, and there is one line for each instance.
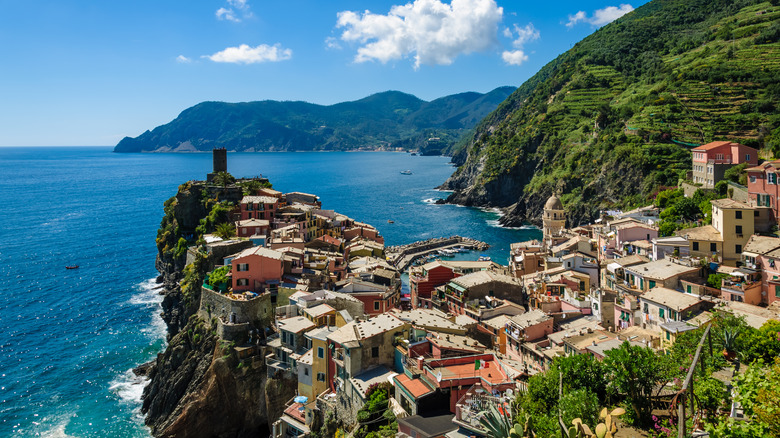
<point>301,399</point>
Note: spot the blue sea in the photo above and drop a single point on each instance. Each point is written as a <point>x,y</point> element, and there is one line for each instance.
<point>69,338</point>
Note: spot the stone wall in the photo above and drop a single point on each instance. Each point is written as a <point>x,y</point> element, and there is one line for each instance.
<point>257,311</point>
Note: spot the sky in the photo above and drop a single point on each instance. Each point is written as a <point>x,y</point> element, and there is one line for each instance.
<point>90,72</point>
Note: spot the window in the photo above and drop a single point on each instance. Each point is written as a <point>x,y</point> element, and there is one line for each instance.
<point>738,229</point>
<point>242,267</point>
<point>738,214</point>
<point>738,249</point>
<point>660,313</point>
<point>714,247</point>
<point>374,351</point>
<point>755,213</point>
<point>646,309</point>
<point>376,305</point>
<point>651,284</point>
<point>305,371</point>
<point>320,377</point>
<point>747,157</point>
<point>320,352</point>
<point>668,336</point>
<point>695,246</point>
<point>771,178</point>
<point>777,291</point>
<point>752,179</point>
<point>242,282</point>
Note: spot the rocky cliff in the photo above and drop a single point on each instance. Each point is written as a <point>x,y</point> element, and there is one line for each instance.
<point>198,385</point>
<point>610,122</point>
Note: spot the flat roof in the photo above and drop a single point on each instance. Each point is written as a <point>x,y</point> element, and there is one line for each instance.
<point>707,232</point>
<point>319,310</point>
<point>296,324</point>
<point>661,269</point>
<point>728,203</point>
<point>259,200</point>
<point>672,299</point>
<point>416,387</point>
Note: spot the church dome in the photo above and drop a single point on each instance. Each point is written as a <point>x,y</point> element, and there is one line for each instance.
<point>553,203</point>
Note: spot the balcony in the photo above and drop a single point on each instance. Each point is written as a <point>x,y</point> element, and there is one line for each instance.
<point>279,369</point>
<point>469,408</point>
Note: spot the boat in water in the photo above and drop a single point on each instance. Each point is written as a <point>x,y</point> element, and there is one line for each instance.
<point>72,267</point>
<point>406,172</point>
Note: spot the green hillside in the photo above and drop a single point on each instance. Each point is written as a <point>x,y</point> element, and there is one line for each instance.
<point>390,119</point>
<point>611,121</point>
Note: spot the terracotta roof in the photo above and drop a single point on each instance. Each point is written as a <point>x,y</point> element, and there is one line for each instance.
<point>713,145</point>
<point>415,387</point>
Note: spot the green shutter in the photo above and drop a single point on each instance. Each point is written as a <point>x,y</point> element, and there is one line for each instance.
<point>661,313</point>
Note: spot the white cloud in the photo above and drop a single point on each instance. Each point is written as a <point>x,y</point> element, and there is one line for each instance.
<point>244,54</point>
<point>332,43</point>
<point>235,11</point>
<point>434,33</point>
<point>181,59</point>
<point>227,14</point>
<point>600,16</point>
<point>610,14</point>
<point>524,35</point>
<point>514,57</point>
<point>576,18</point>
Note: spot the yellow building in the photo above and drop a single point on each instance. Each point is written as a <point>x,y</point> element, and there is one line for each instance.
<point>732,225</point>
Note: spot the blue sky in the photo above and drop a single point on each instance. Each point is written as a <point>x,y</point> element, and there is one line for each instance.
<point>91,72</point>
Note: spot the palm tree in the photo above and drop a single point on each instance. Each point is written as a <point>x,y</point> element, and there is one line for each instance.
<point>224,179</point>
<point>225,230</point>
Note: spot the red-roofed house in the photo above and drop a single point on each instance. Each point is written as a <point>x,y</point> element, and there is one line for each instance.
<point>710,161</point>
<point>254,267</point>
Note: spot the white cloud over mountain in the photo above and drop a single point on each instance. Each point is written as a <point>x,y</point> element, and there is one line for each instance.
<point>600,17</point>
<point>429,31</point>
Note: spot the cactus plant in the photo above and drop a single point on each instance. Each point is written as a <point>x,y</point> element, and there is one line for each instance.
<point>606,429</point>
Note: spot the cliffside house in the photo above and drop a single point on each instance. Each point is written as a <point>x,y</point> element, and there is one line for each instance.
<point>710,161</point>
<point>259,207</point>
<point>764,189</point>
<point>257,269</point>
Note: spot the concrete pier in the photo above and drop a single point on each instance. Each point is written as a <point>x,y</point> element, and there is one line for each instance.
<point>402,256</point>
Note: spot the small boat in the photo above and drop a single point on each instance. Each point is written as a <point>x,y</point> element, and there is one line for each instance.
<point>484,259</point>
<point>72,267</point>
<point>390,221</point>
<point>406,172</point>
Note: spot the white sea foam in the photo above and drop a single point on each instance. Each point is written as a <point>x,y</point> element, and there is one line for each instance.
<point>56,426</point>
<point>429,201</point>
<point>148,293</point>
<point>129,387</point>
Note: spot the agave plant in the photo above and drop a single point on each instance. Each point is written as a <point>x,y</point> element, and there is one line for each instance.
<point>498,424</point>
<point>729,342</point>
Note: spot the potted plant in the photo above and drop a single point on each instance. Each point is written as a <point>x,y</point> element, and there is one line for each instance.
<point>729,343</point>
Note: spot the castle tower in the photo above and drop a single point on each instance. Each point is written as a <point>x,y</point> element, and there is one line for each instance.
<point>554,218</point>
<point>219,159</point>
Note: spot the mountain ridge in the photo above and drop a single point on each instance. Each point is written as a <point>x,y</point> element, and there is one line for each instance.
<point>609,122</point>
<point>388,119</point>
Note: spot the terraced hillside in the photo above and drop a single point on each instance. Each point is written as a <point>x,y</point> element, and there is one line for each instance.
<point>610,122</point>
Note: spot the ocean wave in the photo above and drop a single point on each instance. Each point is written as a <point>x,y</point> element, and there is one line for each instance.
<point>129,387</point>
<point>429,200</point>
<point>56,426</point>
<point>149,293</point>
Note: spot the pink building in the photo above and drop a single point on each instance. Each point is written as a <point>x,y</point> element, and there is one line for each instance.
<point>259,207</point>
<point>363,230</point>
<point>710,161</point>
<point>763,187</point>
<point>762,253</point>
<point>252,227</point>
<point>255,267</point>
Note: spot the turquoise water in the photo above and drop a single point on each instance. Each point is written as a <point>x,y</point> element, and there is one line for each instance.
<point>70,337</point>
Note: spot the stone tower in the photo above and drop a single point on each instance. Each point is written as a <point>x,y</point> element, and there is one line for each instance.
<point>554,218</point>
<point>219,157</point>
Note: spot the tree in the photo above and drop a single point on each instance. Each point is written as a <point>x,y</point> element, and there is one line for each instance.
<point>635,371</point>
<point>225,230</point>
<point>224,179</point>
